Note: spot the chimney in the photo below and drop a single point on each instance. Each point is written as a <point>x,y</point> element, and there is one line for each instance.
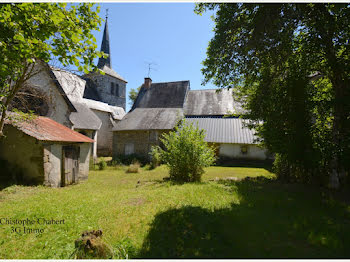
<point>148,82</point>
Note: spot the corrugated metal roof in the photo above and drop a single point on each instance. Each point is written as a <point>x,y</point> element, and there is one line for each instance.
<point>46,129</point>
<point>162,95</point>
<point>150,119</point>
<point>211,102</point>
<point>225,130</point>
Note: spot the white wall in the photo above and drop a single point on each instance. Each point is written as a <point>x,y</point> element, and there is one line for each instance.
<point>234,151</point>
<point>52,164</point>
<point>84,159</point>
<point>105,134</point>
<point>58,108</point>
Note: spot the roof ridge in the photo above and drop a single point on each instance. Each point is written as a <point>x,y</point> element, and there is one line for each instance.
<point>171,82</point>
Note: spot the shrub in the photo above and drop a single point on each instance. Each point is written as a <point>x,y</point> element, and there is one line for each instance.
<point>102,164</point>
<point>155,155</point>
<point>186,153</point>
<point>133,168</point>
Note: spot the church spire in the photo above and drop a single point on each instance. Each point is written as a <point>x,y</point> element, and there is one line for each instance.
<point>105,47</point>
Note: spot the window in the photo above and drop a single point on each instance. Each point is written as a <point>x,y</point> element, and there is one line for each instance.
<point>244,150</point>
<point>153,136</point>
<point>117,90</point>
<point>129,148</point>
<point>112,88</point>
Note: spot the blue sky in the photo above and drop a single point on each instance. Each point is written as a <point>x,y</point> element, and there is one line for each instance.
<point>170,35</point>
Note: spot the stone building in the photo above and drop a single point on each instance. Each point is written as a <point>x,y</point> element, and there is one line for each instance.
<point>109,88</point>
<point>157,109</point>
<point>210,110</point>
<point>159,106</point>
<point>90,104</point>
<point>45,151</point>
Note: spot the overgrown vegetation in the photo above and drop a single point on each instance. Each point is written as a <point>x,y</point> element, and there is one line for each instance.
<point>102,164</point>
<point>185,153</point>
<point>33,33</point>
<point>288,64</point>
<point>142,216</point>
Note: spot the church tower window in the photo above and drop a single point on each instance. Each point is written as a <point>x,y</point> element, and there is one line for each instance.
<point>117,90</point>
<point>112,88</point>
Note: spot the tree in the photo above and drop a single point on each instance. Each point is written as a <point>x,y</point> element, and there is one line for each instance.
<point>186,153</point>
<point>38,33</point>
<point>289,65</point>
<point>133,94</point>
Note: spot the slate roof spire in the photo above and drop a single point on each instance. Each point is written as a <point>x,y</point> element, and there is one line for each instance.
<point>105,47</point>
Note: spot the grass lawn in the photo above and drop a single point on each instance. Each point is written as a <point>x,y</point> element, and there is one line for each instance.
<point>150,218</point>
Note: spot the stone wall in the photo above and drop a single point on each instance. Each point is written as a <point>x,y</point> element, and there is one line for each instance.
<point>24,152</point>
<point>103,83</point>
<point>52,164</point>
<point>84,159</point>
<point>141,141</point>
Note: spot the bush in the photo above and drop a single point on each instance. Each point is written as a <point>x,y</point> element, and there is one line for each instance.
<point>102,164</point>
<point>134,167</point>
<point>155,155</point>
<point>186,153</point>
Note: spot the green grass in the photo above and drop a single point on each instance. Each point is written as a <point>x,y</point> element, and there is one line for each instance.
<point>144,216</point>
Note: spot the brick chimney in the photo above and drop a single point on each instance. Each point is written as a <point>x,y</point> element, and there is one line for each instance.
<point>148,82</point>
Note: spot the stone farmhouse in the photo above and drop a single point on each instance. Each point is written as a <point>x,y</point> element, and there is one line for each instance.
<point>158,108</point>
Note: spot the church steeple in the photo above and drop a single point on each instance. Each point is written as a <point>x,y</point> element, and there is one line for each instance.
<point>105,48</point>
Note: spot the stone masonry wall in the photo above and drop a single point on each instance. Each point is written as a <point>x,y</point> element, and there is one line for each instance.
<point>24,152</point>
<point>103,83</point>
<point>142,141</point>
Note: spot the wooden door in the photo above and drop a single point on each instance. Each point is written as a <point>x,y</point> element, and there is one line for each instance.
<point>70,165</point>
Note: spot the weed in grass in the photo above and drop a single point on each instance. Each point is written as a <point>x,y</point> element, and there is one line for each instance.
<point>133,168</point>
<point>102,164</point>
<point>124,249</point>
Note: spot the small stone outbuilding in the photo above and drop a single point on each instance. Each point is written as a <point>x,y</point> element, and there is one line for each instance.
<point>47,152</point>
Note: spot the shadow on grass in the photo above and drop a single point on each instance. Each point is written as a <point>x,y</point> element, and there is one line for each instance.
<point>271,221</point>
<point>228,162</point>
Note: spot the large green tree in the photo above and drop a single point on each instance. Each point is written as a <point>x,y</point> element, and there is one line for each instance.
<point>34,33</point>
<point>289,65</point>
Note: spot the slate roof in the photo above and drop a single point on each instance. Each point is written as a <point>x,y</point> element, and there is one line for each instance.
<point>225,130</point>
<point>105,48</point>
<point>150,119</point>
<point>84,118</point>
<point>109,71</point>
<point>162,95</point>
<point>116,111</point>
<point>46,129</point>
<point>210,102</point>
<point>73,87</point>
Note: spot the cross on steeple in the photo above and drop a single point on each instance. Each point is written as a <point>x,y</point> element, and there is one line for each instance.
<point>105,47</point>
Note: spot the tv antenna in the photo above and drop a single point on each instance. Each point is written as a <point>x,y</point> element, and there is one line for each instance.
<point>150,64</point>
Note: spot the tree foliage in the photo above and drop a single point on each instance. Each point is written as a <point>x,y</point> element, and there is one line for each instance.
<point>133,94</point>
<point>186,153</point>
<point>289,65</point>
<point>31,33</point>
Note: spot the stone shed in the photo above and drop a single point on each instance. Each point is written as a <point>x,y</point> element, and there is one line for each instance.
<point>47,152</point>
